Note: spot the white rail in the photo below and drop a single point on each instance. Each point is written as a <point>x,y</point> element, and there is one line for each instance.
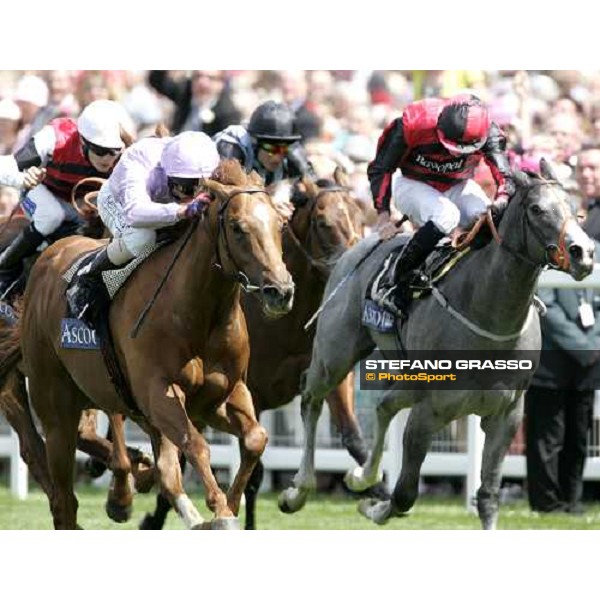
<point>456,452</point>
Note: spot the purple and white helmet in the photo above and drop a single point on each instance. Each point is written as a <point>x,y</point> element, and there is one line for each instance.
<point>190,155</point>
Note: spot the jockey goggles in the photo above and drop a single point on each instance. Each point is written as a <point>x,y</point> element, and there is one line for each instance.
<point>280,149</point>
<point>101,150</point>
<point>186,187</point>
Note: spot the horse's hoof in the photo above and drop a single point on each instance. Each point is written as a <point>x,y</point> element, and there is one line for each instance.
<point>225,524</point>
<point>150,522</point>
<point>94,468</point>
<point>292,500</point>
<point>143,479</point>
<point>356,482</point>
<point>118,513</point>
<point>379,491</point>
<point>376,511</point>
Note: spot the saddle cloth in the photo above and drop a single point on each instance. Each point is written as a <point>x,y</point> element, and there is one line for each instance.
<point>437,265</point>
<point>113,280</point>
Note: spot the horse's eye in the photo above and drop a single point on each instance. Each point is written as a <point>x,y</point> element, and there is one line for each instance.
<point>536,210</point>
<point>237,228</point>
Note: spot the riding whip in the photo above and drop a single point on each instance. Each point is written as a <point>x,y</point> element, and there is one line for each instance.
<point>144,314</point>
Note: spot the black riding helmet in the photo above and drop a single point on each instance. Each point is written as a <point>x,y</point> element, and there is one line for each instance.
<point>275,122</point>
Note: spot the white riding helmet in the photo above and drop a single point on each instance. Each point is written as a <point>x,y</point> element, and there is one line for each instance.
<point>100,123</point>
<point>190,155</point>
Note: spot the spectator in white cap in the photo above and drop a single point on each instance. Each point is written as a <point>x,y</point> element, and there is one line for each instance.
<point>10,118</point>
<point>31,96</point>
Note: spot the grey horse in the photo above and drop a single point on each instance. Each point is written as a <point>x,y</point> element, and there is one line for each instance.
<point>488,305</point>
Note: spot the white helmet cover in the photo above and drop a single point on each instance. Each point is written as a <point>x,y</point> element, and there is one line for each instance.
<point>190,155</point>
<point>100,123</point>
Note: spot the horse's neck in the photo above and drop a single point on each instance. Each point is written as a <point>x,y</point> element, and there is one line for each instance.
<point>201,290</point>
<point>494,288</point>
<point>310,284</point>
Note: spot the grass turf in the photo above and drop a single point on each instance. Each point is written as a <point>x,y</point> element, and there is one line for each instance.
<point>324,513</point>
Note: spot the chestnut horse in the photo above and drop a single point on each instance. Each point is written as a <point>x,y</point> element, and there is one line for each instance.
<point>14,405</point>
<point>326,221</point>
<point>187,366</point>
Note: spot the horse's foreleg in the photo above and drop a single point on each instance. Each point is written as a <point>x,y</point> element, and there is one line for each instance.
<point>418,433</point>
<point>253,439</point>
<point>304,482</point>
<point>341,406</point>
<point>169,475</point>
<point>499,433</point>
<point>251,494</point>
<point>168,415</point>
<point>362,478</point>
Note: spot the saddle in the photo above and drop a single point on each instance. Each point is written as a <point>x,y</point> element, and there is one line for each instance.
<point>436,266</point>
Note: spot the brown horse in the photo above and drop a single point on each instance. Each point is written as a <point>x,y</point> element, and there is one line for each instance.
<point>14,405</point>
<point>186,368</point>
<point>326,222</point>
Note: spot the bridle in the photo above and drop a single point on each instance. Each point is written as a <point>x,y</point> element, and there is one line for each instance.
<point>556,255</point>
<point>239,276</point>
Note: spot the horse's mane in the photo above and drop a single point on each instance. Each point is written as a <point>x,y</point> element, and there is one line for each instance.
<point>231,172</point>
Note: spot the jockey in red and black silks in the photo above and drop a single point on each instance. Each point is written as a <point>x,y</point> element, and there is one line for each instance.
<point>68,163</point>
<point>50,164</point>
<point>437,145</point>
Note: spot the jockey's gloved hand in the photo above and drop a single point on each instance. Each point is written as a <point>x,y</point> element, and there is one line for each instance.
<point>196,207</point>
<point>33,177</point>
<point>506,190</point>
<point>298,158</point>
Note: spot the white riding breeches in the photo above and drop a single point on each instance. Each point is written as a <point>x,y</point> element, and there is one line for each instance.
<point>46,210</point>
<point>128,242</point>
<point>461,205</point>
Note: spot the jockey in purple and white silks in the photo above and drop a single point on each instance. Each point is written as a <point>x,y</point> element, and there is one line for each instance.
<point>153,186</point>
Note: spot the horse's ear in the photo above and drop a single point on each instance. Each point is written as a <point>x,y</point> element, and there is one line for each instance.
<point>311,189</point>
<point>161,131</point>
<point>216,188</point>
<point>341,177</point>
<point>546,170</point>
<point>520,178</point>
<point>127,137</point>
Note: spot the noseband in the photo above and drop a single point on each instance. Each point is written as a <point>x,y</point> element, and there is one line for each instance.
<point>556,255</point>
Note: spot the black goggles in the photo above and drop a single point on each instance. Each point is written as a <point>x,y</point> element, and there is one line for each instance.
<point>186,187</point>
<point>101,150</point>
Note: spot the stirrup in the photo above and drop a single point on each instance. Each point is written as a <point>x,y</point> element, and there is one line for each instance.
<point>77,306</point>
<point>383,282</point>
<point>387,301</point>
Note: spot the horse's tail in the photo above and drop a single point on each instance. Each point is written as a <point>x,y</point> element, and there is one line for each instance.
<point>10,345</point>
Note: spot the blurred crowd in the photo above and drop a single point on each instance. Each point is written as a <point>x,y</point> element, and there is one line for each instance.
<point>340,113</point>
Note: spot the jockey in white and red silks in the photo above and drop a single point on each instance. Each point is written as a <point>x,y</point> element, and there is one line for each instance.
<point>59,156</point>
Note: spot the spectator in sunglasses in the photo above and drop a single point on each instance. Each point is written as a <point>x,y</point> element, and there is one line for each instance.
<point>156,183</point>
<point>269,145</point>
<point>60,155</point>
<point>202,101</point>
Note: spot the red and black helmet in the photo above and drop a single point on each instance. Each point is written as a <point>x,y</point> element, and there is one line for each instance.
<point>463,125</point>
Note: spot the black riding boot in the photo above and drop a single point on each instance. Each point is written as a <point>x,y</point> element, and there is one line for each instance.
<point>390,289</point>
<point>86,285</point>
<point>11,260</point>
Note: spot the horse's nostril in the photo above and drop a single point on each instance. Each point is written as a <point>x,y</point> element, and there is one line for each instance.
<point>271,292</point>
<point>576,252</point>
